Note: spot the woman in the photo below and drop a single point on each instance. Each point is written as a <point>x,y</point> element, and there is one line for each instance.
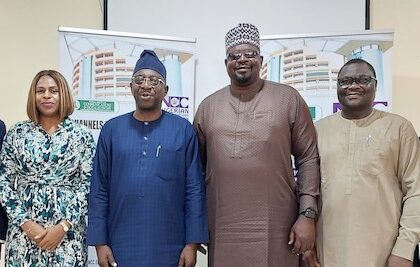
<point>45,171</point>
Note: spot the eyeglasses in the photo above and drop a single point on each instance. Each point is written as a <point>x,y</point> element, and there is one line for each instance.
<point>249,54</point>
<point>141,80</point>
<point>348,81</point>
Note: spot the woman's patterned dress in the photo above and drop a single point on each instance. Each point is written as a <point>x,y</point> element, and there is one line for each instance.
<point>45,178</point>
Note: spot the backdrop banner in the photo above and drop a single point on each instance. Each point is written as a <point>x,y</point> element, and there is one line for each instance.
<point>98,66</point>
<point>310,63</point>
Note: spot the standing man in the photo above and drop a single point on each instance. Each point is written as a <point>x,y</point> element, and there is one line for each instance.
<point>3,215</point>
<point>259,215</point>
<point>370,188</point>
<point>147,200</point>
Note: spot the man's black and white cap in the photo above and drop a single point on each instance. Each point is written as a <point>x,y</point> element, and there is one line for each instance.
<point>244,33</point>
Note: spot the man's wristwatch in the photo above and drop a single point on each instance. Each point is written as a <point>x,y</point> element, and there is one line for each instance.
<point>309,213</point>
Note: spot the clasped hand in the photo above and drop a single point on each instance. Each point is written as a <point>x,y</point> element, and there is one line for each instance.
<point>46,238</point>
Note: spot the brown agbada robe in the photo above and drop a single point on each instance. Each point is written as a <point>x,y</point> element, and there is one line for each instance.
<point>246,142</point>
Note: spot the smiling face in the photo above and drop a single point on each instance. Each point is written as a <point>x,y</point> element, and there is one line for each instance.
<point>147,95</point>
<point>245,70</point>
<point>47,97</point>
<point>356,98</point>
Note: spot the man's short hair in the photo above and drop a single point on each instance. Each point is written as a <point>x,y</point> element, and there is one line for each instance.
<point>358,61</point>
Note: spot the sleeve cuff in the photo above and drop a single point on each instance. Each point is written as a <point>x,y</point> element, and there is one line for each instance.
<point>197,232</point>
<point>404,249</point>
<point>97,234</point>
<point>307,201</point>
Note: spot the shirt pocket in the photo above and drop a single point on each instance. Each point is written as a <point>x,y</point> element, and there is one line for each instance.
<point>168,163</point>
<point>261,123</point>
<point>372,160</point>
<point>252,136</point>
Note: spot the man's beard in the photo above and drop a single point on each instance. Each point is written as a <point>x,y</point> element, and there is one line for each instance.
<point>243,79</point>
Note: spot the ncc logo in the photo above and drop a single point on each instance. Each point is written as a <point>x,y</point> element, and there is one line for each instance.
<point>176,101</point>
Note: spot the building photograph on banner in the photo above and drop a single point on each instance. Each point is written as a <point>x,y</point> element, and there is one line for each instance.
<point>310,64</point>
<point>99,65</point>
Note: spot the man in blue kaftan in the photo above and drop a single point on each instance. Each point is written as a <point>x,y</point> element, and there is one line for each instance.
<point>147,199</point>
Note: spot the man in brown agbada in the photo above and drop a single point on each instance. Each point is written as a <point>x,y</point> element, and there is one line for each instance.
<point>248,132</point>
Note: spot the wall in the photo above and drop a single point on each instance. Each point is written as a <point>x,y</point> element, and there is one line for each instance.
<point>29,43</point>
<point>403,17</point>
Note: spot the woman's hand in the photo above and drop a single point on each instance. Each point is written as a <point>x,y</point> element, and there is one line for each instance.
<point>52,238</point>
<point>34,231</point>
